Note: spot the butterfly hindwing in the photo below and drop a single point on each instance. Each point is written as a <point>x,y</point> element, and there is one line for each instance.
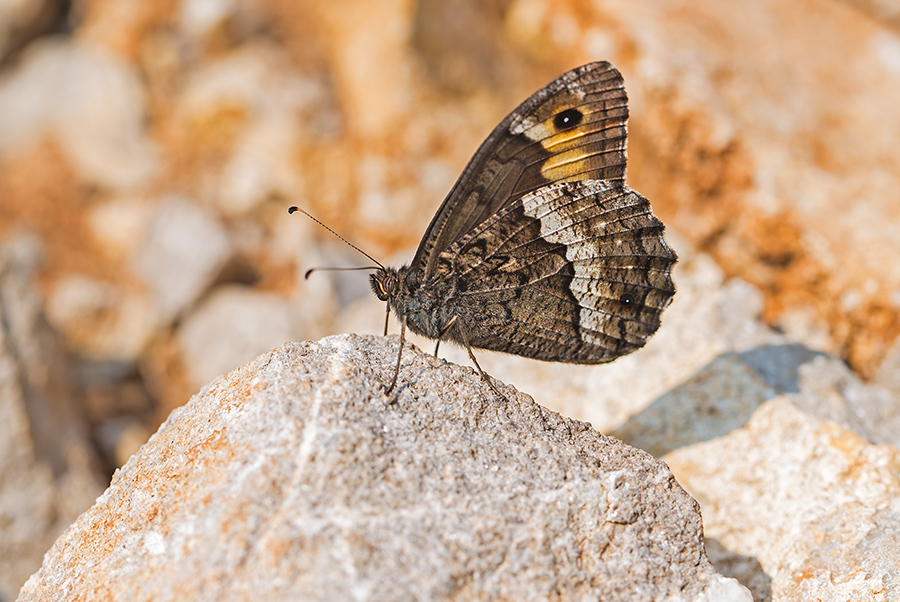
<point>576,272</point>
<point>573,129</point>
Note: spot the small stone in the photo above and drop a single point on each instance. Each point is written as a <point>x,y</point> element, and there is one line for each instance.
<point>101,320</point>
<point>256,103</point>
<point>90,101</point>
<point>119,225</point>
<point>184,250</point>
<point>121,437</point>
<point>231,327</point>
<point>297,477</point>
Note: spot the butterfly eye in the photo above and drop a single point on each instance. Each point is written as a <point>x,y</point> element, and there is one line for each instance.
<point>384,284</point>
<point>567,119</point>
<point>388,285</point>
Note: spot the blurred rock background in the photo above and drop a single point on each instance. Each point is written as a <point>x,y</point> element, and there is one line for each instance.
<point>149,150</point>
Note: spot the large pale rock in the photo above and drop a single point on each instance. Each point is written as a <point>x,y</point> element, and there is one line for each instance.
<point>777,445</point>
<point>815,506</point>
<point>297,477</point>
<point>47,468</point>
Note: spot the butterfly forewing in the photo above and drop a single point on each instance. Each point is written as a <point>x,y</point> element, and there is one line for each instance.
<point>572,129</point>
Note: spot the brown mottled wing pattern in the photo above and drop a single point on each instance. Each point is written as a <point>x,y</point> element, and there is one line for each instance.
<point>573,129</point>
<point>576,272</point>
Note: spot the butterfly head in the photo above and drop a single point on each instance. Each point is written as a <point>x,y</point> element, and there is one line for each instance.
<point>385,283</point>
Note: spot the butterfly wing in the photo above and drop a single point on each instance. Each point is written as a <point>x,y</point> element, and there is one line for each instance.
<point>572,129</point>
<point>576,272</point>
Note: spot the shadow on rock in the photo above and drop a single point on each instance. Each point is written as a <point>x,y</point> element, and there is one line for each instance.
<point>746,569</point>
<point>719,398</point>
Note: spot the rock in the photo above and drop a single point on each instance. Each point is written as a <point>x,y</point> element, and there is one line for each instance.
<point>102,320</point>
<point>809,502</point>
<point>90,102</point>
<point>296,477</point>
<point>23,20</point>
<point>776,444</point>
<point>719,367</point>
<point>252,98</point>
<point>720,397</point>
<point>201,18</point>
<point>184,249</point>
<point>120,224</point>
<point>829,390</point>
<point>120,437</point>
<point>47,468</point>
<point>254,101</point>
<point>256,323</point>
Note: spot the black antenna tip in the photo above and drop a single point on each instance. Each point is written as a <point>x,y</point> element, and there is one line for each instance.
<point>308,272</point>
<point>293,209</point>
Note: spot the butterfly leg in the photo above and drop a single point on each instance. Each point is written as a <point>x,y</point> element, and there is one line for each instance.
<point>465,340</point>
<point>387,316</point>
<point>436,345</point>
<point>399,355</point>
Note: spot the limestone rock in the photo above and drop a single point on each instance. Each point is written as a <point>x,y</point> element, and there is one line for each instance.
<point>780,445</point>
<point>809,502</point>
<point>297,477</point>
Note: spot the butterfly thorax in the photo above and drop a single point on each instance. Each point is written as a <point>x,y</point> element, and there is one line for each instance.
<point>427,306</point>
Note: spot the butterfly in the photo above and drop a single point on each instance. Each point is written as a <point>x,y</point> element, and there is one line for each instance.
<point>540,249</point>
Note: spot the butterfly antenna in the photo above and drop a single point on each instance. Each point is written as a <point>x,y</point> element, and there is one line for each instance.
<point>378,263</point>
<point>311,270</point>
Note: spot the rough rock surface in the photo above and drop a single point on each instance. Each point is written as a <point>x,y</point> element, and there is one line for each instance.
<point>786,451</point>
<point>296,477</point>
<point>830,503</point>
